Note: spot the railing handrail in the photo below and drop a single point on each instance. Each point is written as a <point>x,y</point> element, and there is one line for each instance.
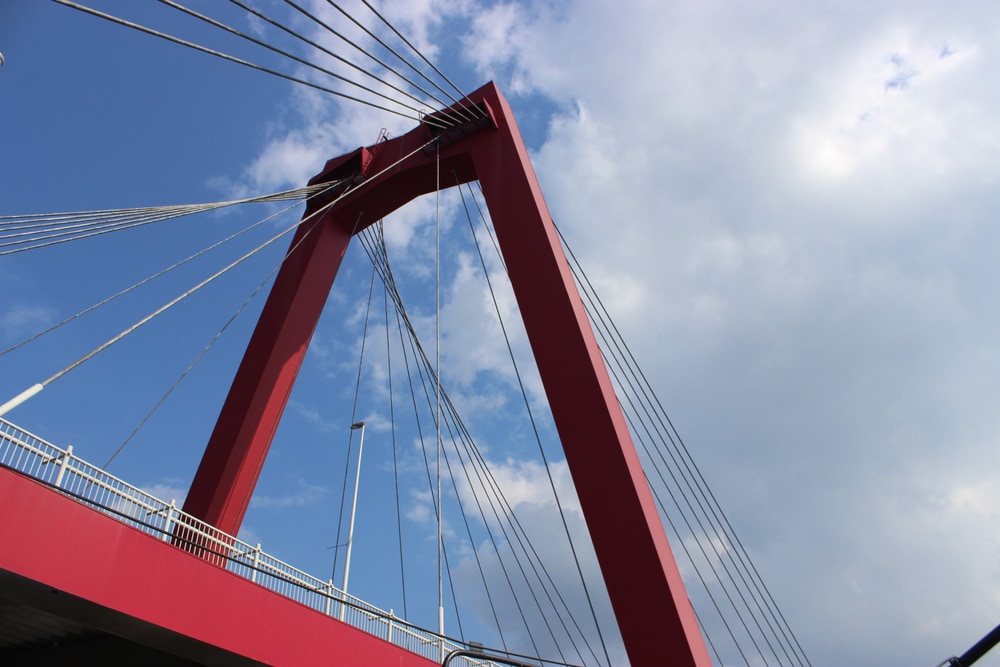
<point>31,455</point>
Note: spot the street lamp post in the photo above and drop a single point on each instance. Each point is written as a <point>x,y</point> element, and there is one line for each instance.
<point>354,509</point>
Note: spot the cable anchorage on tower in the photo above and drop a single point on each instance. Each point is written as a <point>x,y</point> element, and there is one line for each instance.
<point>442,126</point>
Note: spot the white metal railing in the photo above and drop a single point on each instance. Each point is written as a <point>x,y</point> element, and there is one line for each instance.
<point>29,454</point>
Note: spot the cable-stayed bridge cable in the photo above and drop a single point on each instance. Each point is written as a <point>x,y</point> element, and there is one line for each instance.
<point>323,24</point>
<point>34,231</point>
<point>225,56</point>
<point>293,57</point>
<point>541,450</point>
<point>502,516</point>
<point>452,421</point>
<point>748,591</point>
<point>778,626</point>
<point>218,334</point>
<point>146,280</point>
<point>401,58</point>
<point>315,215</point>
<point>416,51</point>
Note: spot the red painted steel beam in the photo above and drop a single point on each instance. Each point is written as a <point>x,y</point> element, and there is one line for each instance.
<point>234,456</point>
<point>127,581</point>
<point>223,484</point>
<point>654,615</point>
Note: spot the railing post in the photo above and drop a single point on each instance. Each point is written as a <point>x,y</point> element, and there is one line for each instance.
<point>256,563</point>
<point>171,509</point>
<point>63,465</point>
<point>329,596</point>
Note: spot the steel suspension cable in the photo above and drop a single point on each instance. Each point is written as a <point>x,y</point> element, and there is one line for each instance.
<point>395,455</point>
<point>169,304</point>
<point>401,58</point>
<point>700,543</point>
<point>225,326</point>
<point>31,391</point>
<point>313,190</point>
<point>437,369</point>
<point>225,56</point>
<point>198,358</point>
<point>417,51</point>
<point>706,587</point>
<point>719,553</point>
<point>318,21</point>
<point>36,388</point>
<point>425,372</point>
<point>379,255</point>
<point>598,317</point>
<point>438,508</point>
<point>373,253</point>
<point>508,512</point>
<point>770,609</point>
<point>354,419</point>
<point>451,408</point>
<point>290,56</point>
<point>445,557</point>
<point>42,230</point>
<point>72,216</point>
<point>719,546</point>
<point>622,385</point>
<point>534,427</point>
<point>427,467</point>
<point>724,529</point>
<point>378,250</point>
<point>500,259</point>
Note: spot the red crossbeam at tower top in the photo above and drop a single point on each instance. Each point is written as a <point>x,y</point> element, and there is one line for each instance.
<point>654,615</point>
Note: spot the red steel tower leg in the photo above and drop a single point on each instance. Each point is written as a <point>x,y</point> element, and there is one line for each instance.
<point>654,615</point>
<point>220,493</point>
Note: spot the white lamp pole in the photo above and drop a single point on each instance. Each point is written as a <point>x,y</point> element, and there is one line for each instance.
<point>354,508</point>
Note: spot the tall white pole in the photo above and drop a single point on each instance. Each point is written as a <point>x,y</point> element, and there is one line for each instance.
<point>437,365</point>
<point>354,509</point>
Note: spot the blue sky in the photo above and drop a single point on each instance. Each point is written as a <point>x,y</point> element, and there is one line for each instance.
<point>789,209</point>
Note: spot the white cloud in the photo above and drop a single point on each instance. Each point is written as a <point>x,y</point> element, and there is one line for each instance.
<point>528,496</point>
<point>789,211</point>
<point>525,483</point>
<point>304,494</point>
<point>796,199</point>
<point>167,490</point>
<point>22,320</point>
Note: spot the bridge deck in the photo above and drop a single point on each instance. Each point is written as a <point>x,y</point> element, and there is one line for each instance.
<point>89,560</point>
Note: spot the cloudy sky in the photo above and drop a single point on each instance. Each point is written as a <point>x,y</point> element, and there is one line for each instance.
<point>788,209</point>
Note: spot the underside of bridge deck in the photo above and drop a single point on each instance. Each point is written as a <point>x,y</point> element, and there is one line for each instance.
<point>40,625</point>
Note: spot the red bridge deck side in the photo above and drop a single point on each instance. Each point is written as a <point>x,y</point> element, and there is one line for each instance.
<point>130,584</point>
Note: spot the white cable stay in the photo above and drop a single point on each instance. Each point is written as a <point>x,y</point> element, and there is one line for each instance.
<point>558,624</point>
<point>36,388</point>
<point>311,219</point>
<point>246,63</point>
<point>312,190</point>
<point>38,230</point>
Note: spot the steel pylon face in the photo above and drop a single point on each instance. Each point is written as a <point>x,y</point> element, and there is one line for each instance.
<point>654,615</point>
